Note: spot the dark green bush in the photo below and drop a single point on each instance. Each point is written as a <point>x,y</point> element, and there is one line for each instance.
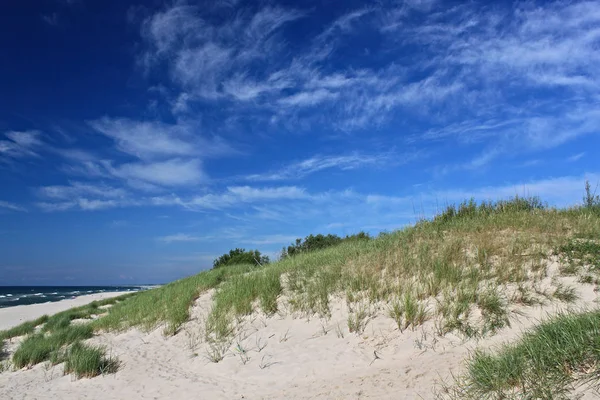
<point>318,242</point>
<point>241,256</point>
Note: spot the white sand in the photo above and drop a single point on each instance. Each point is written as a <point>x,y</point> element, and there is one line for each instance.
<point>288,357</point>
<point>13,316</point>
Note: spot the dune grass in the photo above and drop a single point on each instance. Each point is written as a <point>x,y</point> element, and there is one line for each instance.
<point>55,333</point>
<point>459,261</point>
<point>40,347</point>
<point>61,319</point>
<point>86,361</point>
<point>23,329</point>
<point>462,260</point>
<point>548,362</point>
<point>169,304</point>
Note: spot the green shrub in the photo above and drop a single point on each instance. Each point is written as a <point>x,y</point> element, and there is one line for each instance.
<point>241,256</point>
<point>319,242</point>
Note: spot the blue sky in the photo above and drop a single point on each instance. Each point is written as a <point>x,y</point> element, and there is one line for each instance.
<point>140,140</point>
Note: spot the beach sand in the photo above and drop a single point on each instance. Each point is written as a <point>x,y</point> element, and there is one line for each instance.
<point>285,356</point>
<point>12,316</point>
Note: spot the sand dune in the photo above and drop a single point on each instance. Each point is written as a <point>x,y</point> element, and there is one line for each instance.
<point>285,356</point>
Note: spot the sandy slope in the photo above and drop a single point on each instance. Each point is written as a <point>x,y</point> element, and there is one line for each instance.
<point>282,357</point>
<point>12,316</point>
<point>290,357</point>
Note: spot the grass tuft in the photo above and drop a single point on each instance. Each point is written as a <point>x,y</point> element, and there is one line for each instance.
<point>494,311</point>
<point>41,347</point>
<point>86,361</point>
<point>358,319</point>
<point>168,305</point>
<point>23,329</point>
<point>545,363</point>
<point>564,293</point>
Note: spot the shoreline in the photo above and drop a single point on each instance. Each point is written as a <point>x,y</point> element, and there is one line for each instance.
<point>13,316</point>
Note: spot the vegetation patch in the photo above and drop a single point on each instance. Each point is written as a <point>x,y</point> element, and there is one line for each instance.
<point>86,361</point>
<point>580,254</point>
<point>40,347</point>
<point>546,363</point>
<point>168,304</point>
<point>241,256</point>
<point>23,329</point>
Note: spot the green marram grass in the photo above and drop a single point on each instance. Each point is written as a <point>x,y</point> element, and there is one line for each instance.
<point>85,361</point>
<point>40,347</point>
<point>169,305</point>
<point>23,329</point>
<point>47,337</point>
<point>548,362</point>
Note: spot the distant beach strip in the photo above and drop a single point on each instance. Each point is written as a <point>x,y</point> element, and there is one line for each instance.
<point>11,296</point>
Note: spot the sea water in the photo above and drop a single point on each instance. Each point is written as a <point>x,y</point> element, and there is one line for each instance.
<point>11,296</point>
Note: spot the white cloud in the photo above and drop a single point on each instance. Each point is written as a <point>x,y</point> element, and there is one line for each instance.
<point>317,163</point>
<point>174,172</point>
<point>576,157</point>
<point>234,196</point>
<point>247,193</point>
<point>179,237</point>
<point>170,154</point>
<point>201,54</point>
<point>86,204</point>
<point>271,239</point>
<point>470,60</point>
<point>78,189</point>
<point>12,206</point>
<point>307,99</point>
<point>148,139</point>
<point>51,19</point>
<point>559,191</point>
<point>20,144</point>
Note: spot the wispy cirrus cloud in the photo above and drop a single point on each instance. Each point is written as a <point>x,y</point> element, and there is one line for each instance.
<point>78,189</point>
<point>51,19</point>
<point>271,239</point>
<point>576,157</point>
<point>145,139</point>
<point>83,196</point>
<point>20,144</point>
<point>205,62</point>
<point>169,173</point>
<point>318,163</point>
<point>470,56</point>
<point>85,204</point>
<point>11,206</point>
<point>201,52</point>
<point>179,237</point>
<point>233,196</point>
<point>155,139</point>
<point>168,155</point>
